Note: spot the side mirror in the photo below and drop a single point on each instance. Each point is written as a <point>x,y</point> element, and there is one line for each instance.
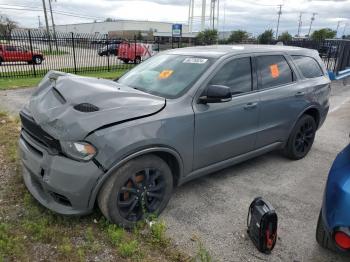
<point>216,94</point>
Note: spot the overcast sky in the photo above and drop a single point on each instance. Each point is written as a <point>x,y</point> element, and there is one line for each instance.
<point>251,15</point>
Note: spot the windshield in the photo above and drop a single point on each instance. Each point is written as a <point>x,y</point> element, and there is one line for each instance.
<point>166,75</point>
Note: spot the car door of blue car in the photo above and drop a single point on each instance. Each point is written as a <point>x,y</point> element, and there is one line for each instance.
<point>228,129</point>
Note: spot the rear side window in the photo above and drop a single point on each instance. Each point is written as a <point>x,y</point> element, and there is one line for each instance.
<point>10,48</point>
<point>236,74</point>
<point>274,71</point>
<point>308,66</point>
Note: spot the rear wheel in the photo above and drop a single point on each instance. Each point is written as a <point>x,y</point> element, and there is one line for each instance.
<point>139,188</point>
<point>137,60</point>
<point>37,60</point>
<point>1,61</point>
<point>322,236</point>
<point>301,139</point>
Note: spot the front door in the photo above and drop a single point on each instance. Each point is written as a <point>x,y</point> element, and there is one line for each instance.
<point>228,129</point>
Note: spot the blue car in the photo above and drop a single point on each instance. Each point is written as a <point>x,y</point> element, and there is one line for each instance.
<point>333,227</point>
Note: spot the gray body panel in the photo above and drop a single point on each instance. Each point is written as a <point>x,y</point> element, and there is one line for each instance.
<point>202,138</point>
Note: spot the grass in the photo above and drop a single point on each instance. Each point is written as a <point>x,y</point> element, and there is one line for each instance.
<point>30,232</point>
<point>54,52</point>
<point>15,83</point>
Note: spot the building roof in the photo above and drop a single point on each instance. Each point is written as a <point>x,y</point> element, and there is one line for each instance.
<point>221,50</point>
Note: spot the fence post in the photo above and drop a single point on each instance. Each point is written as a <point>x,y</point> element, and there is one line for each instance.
<point>135,50</point>
<point>107,42</point>
<point>74,58</point>
<point>31,50</point>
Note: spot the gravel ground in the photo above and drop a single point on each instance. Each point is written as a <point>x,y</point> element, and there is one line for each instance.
<point>214,208</point>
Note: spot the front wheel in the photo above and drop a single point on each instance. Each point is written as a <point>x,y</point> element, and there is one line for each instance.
<point>301,139</point>
<point>141,187</point>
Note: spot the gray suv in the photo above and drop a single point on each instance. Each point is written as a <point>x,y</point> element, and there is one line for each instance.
<point>181,114</point>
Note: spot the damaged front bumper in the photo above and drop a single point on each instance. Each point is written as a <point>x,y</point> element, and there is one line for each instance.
<point>57,182</point>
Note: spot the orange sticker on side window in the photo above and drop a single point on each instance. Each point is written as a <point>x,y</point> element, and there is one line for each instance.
<point>274,71</point>
<point>165,74</point>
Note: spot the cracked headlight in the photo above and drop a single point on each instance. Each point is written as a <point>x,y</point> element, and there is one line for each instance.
<point>81,151</point>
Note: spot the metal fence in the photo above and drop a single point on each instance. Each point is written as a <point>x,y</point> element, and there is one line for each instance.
<point>33,53</point>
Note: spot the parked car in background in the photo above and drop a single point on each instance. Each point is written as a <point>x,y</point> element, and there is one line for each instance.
<point>107,50</point>
<point>181,114</point>
<point>12,53</point>
<point>131,52</point>
<point>333,227</point>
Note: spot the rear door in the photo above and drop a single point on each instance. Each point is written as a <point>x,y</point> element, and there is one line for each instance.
<point>282,98</point>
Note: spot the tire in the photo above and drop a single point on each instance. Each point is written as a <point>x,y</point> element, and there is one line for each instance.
<point>126,61</point>
<point>1,61</point>
<point>37,60</point>
<point>322,236</point>
<point>137,196</point>
<point>137,60</point>
<point>301,138</point>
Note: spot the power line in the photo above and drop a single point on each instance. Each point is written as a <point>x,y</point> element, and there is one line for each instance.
<point>22,8</point>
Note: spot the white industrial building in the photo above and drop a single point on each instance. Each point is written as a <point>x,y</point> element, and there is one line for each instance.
<point>118,26</point>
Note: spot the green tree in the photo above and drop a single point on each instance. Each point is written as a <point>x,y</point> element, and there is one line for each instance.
<point>266,37</point>
<point>285,37</point>
<point>108,19</point>
<point>139,36</point>
<point>208,36</point>
<point>238,36</point>
<point>6,26</point>
<point>323,34</point>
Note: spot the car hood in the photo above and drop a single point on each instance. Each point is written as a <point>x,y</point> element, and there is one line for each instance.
<point>69,107</point>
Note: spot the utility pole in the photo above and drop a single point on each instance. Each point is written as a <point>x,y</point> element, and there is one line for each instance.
<point>53,25</point>
<point>39,22</point>
<point>300,23</point>
<point>312,20</point>
<point>189,15</point>
<point>336,34</point>
<point>345,25</point>
<point>47,25</point>
<point>203,15</point>
<point>278,21</point>
<point>217,14</point>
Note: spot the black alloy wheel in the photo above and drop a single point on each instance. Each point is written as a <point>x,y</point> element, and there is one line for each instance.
<point>302,138</point>
<point>141,194</point>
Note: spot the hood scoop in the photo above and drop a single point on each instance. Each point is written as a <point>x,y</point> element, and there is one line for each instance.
<point>86,108</point>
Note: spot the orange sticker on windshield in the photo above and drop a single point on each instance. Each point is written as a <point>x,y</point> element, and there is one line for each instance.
<point>165,74</point>
<point>274,71</point>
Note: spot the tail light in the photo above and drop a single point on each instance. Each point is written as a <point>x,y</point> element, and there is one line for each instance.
<point>342,240</point>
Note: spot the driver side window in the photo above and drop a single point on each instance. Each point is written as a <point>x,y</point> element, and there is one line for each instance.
<point>236,74</point>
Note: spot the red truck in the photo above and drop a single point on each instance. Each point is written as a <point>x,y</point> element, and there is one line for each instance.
<point>127,52</point>
<point>12,53</point>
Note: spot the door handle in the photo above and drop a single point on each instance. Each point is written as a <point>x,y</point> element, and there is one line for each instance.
<point>250,105</point>
<point>300,93</point>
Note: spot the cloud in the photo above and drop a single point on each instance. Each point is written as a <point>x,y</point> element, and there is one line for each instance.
<point>253,16</point>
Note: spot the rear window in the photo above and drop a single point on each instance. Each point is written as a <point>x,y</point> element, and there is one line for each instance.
<point>308,66</point>
<point>274,71</point>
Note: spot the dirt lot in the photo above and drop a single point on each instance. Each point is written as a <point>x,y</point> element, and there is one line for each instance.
<point>214,208</point>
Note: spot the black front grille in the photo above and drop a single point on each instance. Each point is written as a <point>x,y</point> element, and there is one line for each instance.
<point>38,134</point>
